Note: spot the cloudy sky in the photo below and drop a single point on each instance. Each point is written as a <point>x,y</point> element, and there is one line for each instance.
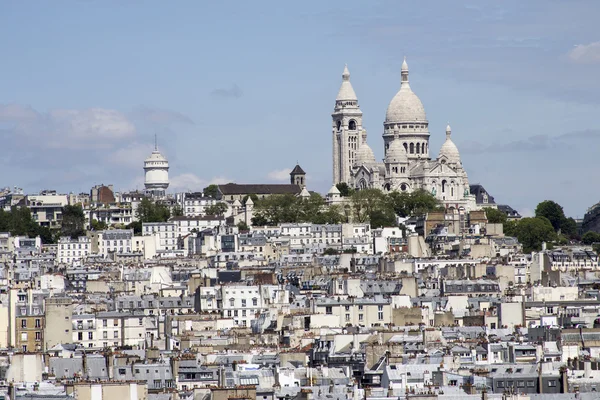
<point>240,91</point>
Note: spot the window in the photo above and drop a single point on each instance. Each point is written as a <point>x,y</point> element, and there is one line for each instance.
<point>79,335</point>
<point>347,317</point>
<point>122,371</point>
<point>104,335</point>
<point>380,315</point>
<point>255,301</point>
<point>231,302</point>
<point>243,302</point>
<point>500,384</point>
<point>105,323</point>
<point>91,335</point>
<point>360,317</point>
<point>328,310</point>
<point>520,384</point>
<point>23,323</point>
<point>347,308</point>
<point>352,125</point>
<point>530,384</point>
<point>551,383</point>
<point>116,334</point>
<point>115,322</point>
<point>360,307</point>
<point>38,323</point>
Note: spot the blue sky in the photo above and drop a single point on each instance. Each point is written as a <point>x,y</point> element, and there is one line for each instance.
<point>240,91</point>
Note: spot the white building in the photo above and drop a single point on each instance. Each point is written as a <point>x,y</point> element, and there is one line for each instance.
<point>156,169</point>
<point>167,234</point>
<point>46,208</point>
<point>73,251</point>
<point>242,303</point>
<point>407,165</point>
<point>115,241</point>
<point>195,204</point>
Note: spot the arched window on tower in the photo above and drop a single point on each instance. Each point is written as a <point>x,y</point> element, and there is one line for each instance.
<point>418,148</point>
<point>412,148</point>
<point>405,147</point>
<point>352,125</point>
<point>339,125</point>
<point>444,186</point>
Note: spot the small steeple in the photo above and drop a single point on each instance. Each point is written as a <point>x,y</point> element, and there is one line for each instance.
<point>404,73</point>
<point>346,73</point>
<point>346,92</point>
<point>448,131</point>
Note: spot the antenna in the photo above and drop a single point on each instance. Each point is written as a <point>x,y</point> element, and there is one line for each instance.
<point>155,143</point>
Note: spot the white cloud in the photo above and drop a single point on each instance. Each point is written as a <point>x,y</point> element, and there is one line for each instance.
<point>586,53</point>
<point>191,182</point>
<point>132,155</point>
<point>527,212</point>
<point>279,175</point>
<point>92,128</point>
<point>186,182</point>
<point>160,116</point>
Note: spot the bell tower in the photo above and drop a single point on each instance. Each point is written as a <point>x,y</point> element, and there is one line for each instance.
<point>346,130</point>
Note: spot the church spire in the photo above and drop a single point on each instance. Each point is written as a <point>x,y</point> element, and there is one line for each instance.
<point>346,92</point>
<point>448,131</point>
<point>404,73</point>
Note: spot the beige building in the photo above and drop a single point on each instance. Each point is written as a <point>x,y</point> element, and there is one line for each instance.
<point>355,311</point>
<point>108,390</point>
<point>57,330</point>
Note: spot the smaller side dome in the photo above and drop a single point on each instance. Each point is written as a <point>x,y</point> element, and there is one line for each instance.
<point>365,155</point>
<point>396,153</point>
<point>333,191</point>
<point>449,149</point>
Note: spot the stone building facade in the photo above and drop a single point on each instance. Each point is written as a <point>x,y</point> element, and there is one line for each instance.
<point>407,164</point>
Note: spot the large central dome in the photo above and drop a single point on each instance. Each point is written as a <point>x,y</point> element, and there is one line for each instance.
<point>405,106</point>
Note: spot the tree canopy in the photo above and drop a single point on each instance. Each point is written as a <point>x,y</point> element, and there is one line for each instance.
<point>532,232</point>
<point>211,191</point>
<point>368,205</point>
<point>345,190</point>
<point>150,211</point>
<point>19,222</point>
<point>495,216</point>
<point>217,209</point>
<point>73,221</point>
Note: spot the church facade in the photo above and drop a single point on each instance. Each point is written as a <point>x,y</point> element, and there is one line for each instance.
<point>407,163</point>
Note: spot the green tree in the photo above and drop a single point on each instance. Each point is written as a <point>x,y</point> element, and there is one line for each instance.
<point>217,209</point>
<point>345,190</point>
<point>177,211</point>
<point>330,252</point>
<point>243,227</point>
<point>96,225</point>
<point>374,206</point>
<point>136,226</point>
<point>252,196</point>
<point>569,228</point>
<point>415,203</point>
<point>532,232</point>
<point>590,238</point>
<point>73,221</point>
<point>211,191</point>
<point>149,211</point>
<point>552,211</point>
<point>495,216</point>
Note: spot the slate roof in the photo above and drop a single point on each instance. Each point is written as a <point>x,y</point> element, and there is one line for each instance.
<point>234,188</point>
<point>297,170</point>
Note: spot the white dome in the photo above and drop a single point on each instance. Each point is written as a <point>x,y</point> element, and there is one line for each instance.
<point>396,153</point>
<point>449,149</point>
<point>155,156</point>
<point>405,106</point>
<point>365,155</point>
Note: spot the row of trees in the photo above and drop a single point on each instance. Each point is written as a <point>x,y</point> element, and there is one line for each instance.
<point>369,205</point>
<point>549,225</point>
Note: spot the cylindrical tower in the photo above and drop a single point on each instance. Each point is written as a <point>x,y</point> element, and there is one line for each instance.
<point>156,169</point>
